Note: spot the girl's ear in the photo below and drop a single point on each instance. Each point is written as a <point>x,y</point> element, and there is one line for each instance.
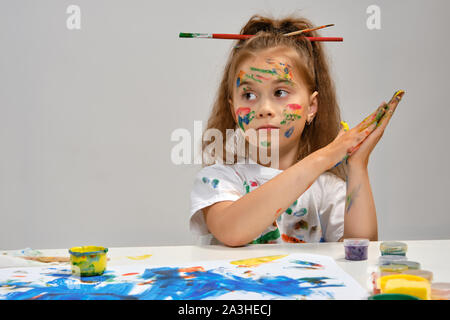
<point>313,107</point>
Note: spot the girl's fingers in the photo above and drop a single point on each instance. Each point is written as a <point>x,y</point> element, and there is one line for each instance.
<point>362,136</point>
<point>390,107</point>
<point>375,116</point>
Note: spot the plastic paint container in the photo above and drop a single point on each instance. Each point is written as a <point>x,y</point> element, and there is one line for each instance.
<point>393,268</point>
<point>412,265</point>
<point>440,291</point>
<point>356,249</point>
<point>88,260</point>
<point>421,273</point>
<point>382,280</point>
<point>405,284</point>
<point>391,259</point>
<point>428,275</point>
<point>392,296</point>
<point>393,248</point>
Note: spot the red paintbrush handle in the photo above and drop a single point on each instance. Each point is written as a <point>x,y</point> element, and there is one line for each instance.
<point>247,36</point>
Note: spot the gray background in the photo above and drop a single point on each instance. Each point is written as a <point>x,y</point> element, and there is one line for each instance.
<point>86,116</point>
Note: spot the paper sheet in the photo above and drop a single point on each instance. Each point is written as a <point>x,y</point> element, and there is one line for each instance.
<point>293,276</point>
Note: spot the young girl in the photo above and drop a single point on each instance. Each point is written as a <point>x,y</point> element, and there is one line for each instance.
<point>277,82</point>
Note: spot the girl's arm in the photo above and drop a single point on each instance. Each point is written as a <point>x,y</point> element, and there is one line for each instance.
<point>236,223</point>
<point>360,219</point>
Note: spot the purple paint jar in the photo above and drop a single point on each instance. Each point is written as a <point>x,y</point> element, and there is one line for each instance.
<point>356,249</point>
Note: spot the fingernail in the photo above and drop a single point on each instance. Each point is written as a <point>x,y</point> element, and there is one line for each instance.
<point>399,95</point>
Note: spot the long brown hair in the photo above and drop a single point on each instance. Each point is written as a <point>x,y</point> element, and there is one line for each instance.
<point>311,63</point>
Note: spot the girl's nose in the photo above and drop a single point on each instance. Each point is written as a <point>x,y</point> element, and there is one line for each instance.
<point>265,111</point>
<point>264,114</point>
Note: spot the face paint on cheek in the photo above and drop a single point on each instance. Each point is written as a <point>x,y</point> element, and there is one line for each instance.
<point>244,116</point>
<point>291,113</point>
<point>288,133</point>
<point>294,106</point>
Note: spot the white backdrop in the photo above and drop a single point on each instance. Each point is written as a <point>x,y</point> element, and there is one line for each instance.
<point>86,115</point>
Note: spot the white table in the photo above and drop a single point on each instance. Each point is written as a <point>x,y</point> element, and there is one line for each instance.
<point>434,255</point>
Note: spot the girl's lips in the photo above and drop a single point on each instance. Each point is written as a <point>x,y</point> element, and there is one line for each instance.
<point>267,127</point>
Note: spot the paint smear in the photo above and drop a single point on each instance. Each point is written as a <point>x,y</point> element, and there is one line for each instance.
<point>143,257</point>
<point>244,116</point>
<point>294,106</point>
<point>306,264</point>
<point>272,72</point>
<point>261,77</point>
<point>282,70</point>
<point>240,78</point>
<point>290,239</point>
<point>254,262</point>
<point>215,183</point>
<point>302,224</point>
<point>289,132</point>
<point>291,114</point>
<point>301,212</point>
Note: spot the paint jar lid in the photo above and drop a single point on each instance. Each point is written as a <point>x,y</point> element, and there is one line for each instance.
<point>411,265</point>
<point>393,247</point>
<point>393,268</point>
<point>356,242</point>
<point>444,286</point>
<point>440,291</point>
<point>393,296</point>
<point>87,250</point>
<point>390,259</point>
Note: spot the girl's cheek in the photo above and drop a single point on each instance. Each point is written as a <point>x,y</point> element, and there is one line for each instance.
<point>244,115</point>
<point>288,133</point>
<point>292,112</point>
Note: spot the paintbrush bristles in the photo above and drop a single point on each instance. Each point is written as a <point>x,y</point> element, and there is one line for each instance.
<point>307,30</point>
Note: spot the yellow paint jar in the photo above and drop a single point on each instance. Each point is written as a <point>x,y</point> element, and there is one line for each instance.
<point>405,284</point>
<point>88,260</point>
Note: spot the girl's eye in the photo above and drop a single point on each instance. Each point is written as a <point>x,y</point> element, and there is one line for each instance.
<point>248,96</point>
<point>281,93</point>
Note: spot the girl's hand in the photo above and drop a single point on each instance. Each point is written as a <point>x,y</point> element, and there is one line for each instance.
<point>360,154</point>
<point>347,141</point>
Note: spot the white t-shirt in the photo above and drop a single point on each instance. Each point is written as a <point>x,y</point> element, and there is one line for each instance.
<point>316,216</point>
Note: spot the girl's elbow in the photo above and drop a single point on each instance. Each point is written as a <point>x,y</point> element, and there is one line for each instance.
<point>233,242</point>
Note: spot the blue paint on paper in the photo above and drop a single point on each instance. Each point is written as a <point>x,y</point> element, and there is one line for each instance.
<point>168,283</point>
<point>306,265</point>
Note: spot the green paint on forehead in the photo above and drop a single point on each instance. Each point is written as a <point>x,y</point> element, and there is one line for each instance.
<point>252,77</point>
<point>272,72</point>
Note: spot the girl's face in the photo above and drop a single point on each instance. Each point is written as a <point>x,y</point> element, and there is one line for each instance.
<point>269,94</point>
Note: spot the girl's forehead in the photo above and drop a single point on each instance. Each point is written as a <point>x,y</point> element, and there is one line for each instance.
<point>268,60</point>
